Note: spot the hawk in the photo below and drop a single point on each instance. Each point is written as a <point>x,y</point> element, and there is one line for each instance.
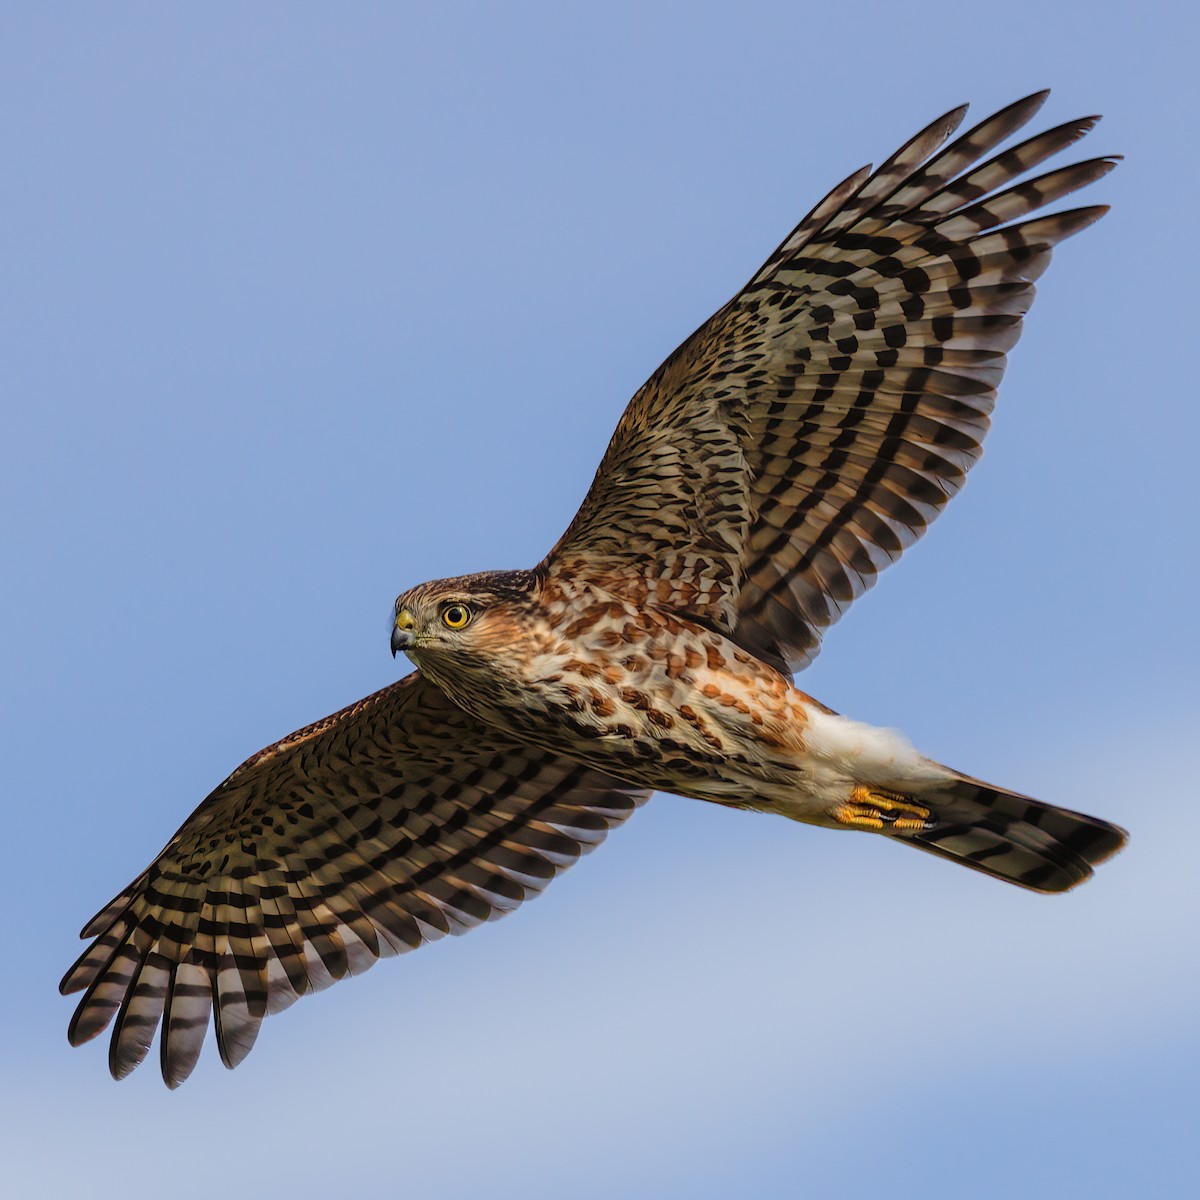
<point>784,454</point>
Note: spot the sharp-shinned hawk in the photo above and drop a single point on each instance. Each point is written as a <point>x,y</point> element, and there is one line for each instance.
<point>780,458</point>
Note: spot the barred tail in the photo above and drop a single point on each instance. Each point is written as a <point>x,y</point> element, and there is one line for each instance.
<point>1012,837</point>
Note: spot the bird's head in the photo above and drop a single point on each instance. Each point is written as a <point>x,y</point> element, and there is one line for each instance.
<point>446,624</point>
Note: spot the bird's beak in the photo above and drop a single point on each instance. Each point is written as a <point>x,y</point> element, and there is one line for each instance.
<point>402,632</point>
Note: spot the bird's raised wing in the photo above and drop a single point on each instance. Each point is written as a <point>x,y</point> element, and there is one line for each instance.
<point>382,827</point>
<point>807,434</point>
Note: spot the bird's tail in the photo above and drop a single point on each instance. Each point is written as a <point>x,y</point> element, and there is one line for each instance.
<point>1013,837</point>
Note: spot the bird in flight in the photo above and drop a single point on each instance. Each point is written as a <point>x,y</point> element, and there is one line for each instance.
<point>784,454</point>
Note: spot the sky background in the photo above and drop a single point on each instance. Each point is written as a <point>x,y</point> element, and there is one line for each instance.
<point>304,304</point>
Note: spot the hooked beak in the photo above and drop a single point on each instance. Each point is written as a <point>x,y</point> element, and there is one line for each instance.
<point>402,632</point>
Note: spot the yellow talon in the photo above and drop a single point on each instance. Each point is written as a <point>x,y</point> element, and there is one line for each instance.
<point>868,808</point>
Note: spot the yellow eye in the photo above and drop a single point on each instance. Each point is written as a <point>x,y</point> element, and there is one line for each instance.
<point>456,616</point>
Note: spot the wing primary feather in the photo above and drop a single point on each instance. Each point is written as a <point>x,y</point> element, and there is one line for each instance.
<point>1024,198</point>
<point>237,1025</point>
<point>813,223</point>
<point>965,150</point>
<point>897,168</point>
<point>103,997</point>
<point>139,1014</point>
<point>997,171</point>
<point>186,1015</point>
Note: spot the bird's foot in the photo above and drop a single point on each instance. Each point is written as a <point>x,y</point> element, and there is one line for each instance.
<point>870,808</point>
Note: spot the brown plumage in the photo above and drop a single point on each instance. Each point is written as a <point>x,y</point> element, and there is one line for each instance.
<point>776,462</point>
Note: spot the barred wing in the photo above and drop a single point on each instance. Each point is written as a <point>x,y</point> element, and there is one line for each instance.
<point>387,825</point>
<point>807,434</point>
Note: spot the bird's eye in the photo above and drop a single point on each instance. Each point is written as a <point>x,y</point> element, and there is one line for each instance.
<point>455,616</point>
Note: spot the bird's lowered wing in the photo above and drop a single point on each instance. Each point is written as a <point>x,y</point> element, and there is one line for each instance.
<point>387,825</point>
<point>807,434</point>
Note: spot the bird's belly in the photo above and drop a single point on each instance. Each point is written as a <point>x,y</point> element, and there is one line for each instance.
<point>660,702</point>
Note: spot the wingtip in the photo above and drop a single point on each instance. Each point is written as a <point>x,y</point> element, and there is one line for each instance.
<point>953,119</point>
<point>86,1024</point>
<point>120,1063</point>
<point>1027,106</point>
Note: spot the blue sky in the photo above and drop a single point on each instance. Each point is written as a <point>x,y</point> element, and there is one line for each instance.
<point>307,304</point>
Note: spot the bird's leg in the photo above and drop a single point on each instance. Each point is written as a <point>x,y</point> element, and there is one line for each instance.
<point>871,808</point>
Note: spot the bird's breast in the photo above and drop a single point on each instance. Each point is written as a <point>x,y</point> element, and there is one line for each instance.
<point>650,697</point>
